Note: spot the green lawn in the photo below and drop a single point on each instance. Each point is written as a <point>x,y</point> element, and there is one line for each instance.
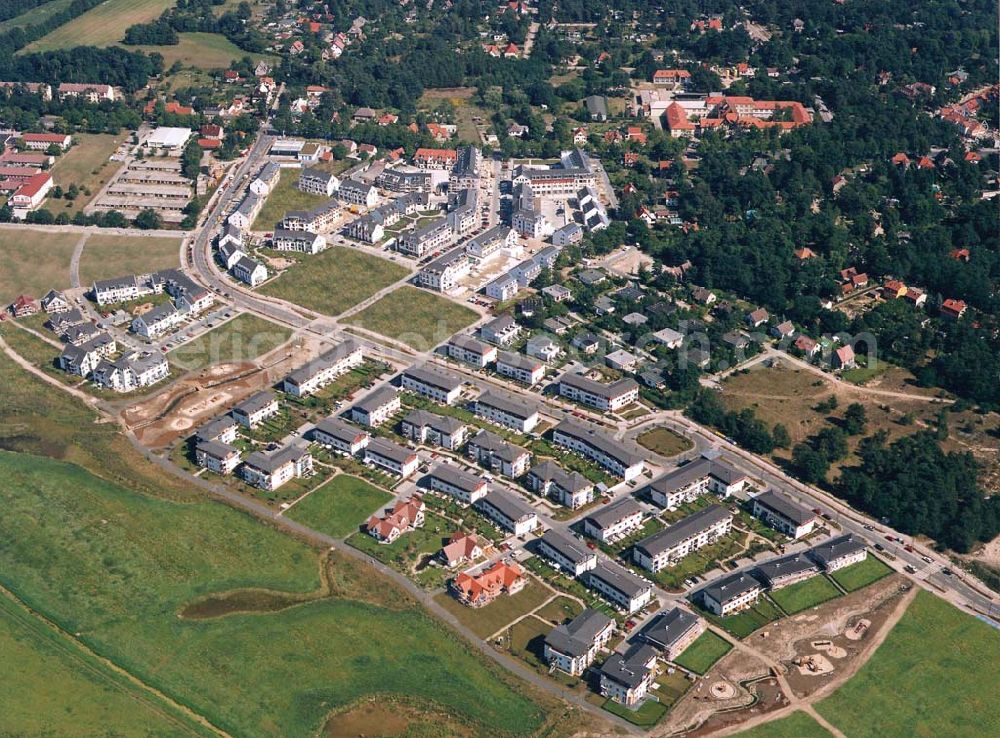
<point>117,567</point>
<point>796,725</point>
<point>102,25</point>
<point>340,506</point>
<point>861,574</point>
<point>105,256</point>
<point>335,280</point>
<point>936,674</point>
<point>34,262</point>
<point>243,338</point>
<point>701,655</point>
<point>648,714</point>
<point>284,197</point>
<point>416,317</point>
<point>408,549</point>
<point>664,442</point>
<point>53,687</point>
<point>746,622</point>
<point>803,595</point>
<point>485,621</point>
<point>560,610</point>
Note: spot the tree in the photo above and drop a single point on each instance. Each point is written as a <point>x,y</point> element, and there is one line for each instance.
<point>855,419</point>
<point>780,435</point>
<point>832,443</point>
<point>810,465</point>
<point>148,220</point>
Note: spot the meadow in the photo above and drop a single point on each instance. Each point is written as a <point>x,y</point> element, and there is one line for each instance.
<point>103,25</point>
<point>284,197</point>
<point>701,655</point>
<point>334,280</point>
<point>87,165</point>
<point>339,506</point>
<point>416,317</point>
<point>796,725</point>
<point>243,338</point>
<point>106,256</point>
<point>861,574</point>
<point>803,595</point>
<point>34,261</point>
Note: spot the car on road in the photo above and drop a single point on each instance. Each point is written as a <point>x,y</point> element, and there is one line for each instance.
<point>909,569</point>
<point>946,571</point>
<point>879,547</point>
<point>927,559</point>
<point>908,548</point>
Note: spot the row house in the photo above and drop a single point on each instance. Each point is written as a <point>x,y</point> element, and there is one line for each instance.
<point>836,553</point>
<point>708,473</point>
<point>784,515</point>
<point>256,409</point>
<point>269,471</point>
<point>443,274</point>
<point>377,407</point>
<point>508,512</point>
<point>435,158</point>
<point>340,435</point>
<point>133,371</point>
<point>465,487</point>
<point>619,586</point>
<point>323,370</point>
<point>570,489</point>
<point>391,457</point>
<point>357,193</point>
<point>595,445</point>
<point>606,397</point>
<point>613,522</point>
<point>573,646</point>
<point>786,570</point>
<point>731,594</point>
<point>440,386</point>
<point>507,411</point>
<point>498,455</point>
<point>217,457</point>
<point>429,238</point>
<point>568,554</point>
<point>318,182</point>
<point>472,351</point>
<point>520,368</point>
<point>668,546</point>
<point>672,631</point>
<point>302,241</point>
<point>423,427</point>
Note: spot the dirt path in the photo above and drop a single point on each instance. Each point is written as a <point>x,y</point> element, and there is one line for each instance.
<point>74,262</point>
<point>29,367</point>
<point>806,704</point>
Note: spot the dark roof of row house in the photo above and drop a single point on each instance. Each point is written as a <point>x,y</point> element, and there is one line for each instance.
<point>785,566</point>
<point>382,396</point>
<point>602,442</point>
<point>255,403</point>
<point>216,449</point>
<point>629,668</point>
<point>570,548</point>
<point>836,548</point>
<point>593,387</point>
<point>507,404</point>
<point>470,343</point>
<point>390,450</point>
<point>456,477</point>
<point>519,361</point>
<point>576,637</point>
<point>785,507</point>
<point>215,427</point>
<point>270,462</point>
<point>668,627</point>
<point>699,468</point>
<point>608,515</point>
<point>508,505</point>
<point>683,529</point>
<point>729,588</point>
<point>445,424</point>
<point>550,471</point>
<point>497,446</point>
<point>619,578</point>
<point>339,429</point>
<point>322,362</point>
<point>434,377</point>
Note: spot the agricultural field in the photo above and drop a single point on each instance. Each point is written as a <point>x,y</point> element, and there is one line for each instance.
<point>284,197</point>
<point>861,574</point>
<point>796,725</point>
<point>34,16</point>
<point>701,655</point>
<point>118,567</point>
<point>87,164</point>
<point>664,442</point>
<point>334,280</point>
<point>105,256</point>
<point>103,25</point>
<point>243,338</point>
<point>34,261</point>
<point>56,688</point>
<point>200,50</point>
<point>416,317</point>
<point>339,506</point>
<point>803,595</point>
<point>936,674</point>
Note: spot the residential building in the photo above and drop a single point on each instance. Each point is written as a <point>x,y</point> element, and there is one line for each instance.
<point>435,158</point>
<point>132,371</point>
<point>55,303</point>
<point>498,455</point>
<point>490,243</point>
<point>595,445</point>
<point>30,193</point>
<point>567,235</point>
<point>626,678</point>
<point>462,548</point>
<point>424,240</point>
<point>622,361</point>
<point>672,631</point>
<point>465,487</point>
<point>436,384</point>
<point>668,546</point>
<point>503,288</point>
<point>42,141</point>
<point>323,370</point>
<point>255,409</point>
<point>377,407</point>
<point>542,347</point>
<point>401,180</point>
<point>217,457</point>
<point>507,411</point>
<point>403,516</point>
<point>607,397</point>
<point>421,426</point>
<point>574,171</point>
<point>501,331</point>
<point>119,289</point>
<point>303,241</point>
<point>568,554</point>
<point>463,211</point>
<point>340,435</point>
<point>222,428</point>
<point>508,512</point>
<point>572,647</point>
<point>357,193</point>
<point>393,458</point>
<point>249,271</point>
<point>157,321</point>
<point>83,359</point>
<point>836,553</point>
<point>465,173</point>
<point>619,586</point>
<point>443,274</point>
<point>470,350</point>
<point>246,212</point>
<point>708,473</point>
<point>318,182</point>
<point>477,590</point>
<point>785,570</point>
<point>610,523</point>
<point>570,489</point>
<point>93,93</point>
<point>784,515</point>
<point>527,217</point>
<point>271,470</point>
<point>521,368</point>
<point>266,180</point>
<point>731,594</point>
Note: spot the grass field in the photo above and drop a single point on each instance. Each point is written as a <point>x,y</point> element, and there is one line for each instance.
<point>116,567</point>
<point>339,506</point>
<point>34,262</point>
<point>936,674</point>
<point>87,165</point>
<point>243,338</point>
<point>106,257</point>
<point>803,595</point>
<point>701,655</point>
<point>334,280</point>
<point>284,197</point>
<point>201,50</point>
<point>55,688</point>
<point>746,622</point>
<point>416,317</point>
<point>35,16</point>
<point>861,574</point>
<point>648,714</point>
<point>560,610</point>
<point>664,442</point>
<point>485,621</point>
<point>103,25</point>
<point>796,725</point>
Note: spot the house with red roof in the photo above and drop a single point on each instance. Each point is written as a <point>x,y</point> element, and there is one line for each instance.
<point>24,305</point>
<point>511,52</point>
<point>212,130</point>
<point>843,358</point>
<point>680,77</point>
<point>960,254</point>
<point>481,589</point>
<point>462,548</point>
<point>630,159</point>
<point>901,160</point>
<point>403,516</point>
<point>32,191</point>
<point>953,309</point>
<point>806,345</point>
<point>230,77</point>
